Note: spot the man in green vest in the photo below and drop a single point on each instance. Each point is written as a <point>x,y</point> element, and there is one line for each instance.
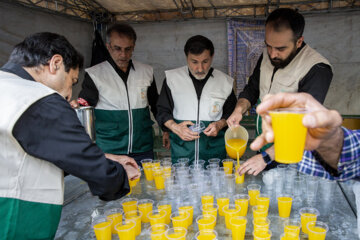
<point>122,90</point>
<point>287,64</point>
<point>192,94</point>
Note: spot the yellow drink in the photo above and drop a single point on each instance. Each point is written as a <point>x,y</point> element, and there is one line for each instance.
<point>284,205</point>
<point>145,208</point>
<point>137,220</point>
<point>103,231</point>
<point>158,218</point>
<point>317,233</point>
<point>129,206</point>
<point>292,229</point>
<point>190,210</point>
<point>177,236</point>
<point>230,213</point>
<point>260,212</point>
<point>206,210</point>
<point>158,234</point>
<point>305,219</point>
<point>261,224</point>
<point>289,135</point>
<point>126,231</point>
<point>167,209</point>
<point>206,236</point>
<point>221,202</point>
<point>243,204</point>
<point>235,146</point>
<point>148,171</point>
<point>253,194</point>
<point>239,179</point>
<point>206,223</point>
<point>238,228</point>
<point>228,166</point>
<point>262,235</point>
<point>167,172</point>
<point>115,218</point>
<point>207,199</point>
<point>180,221</point>
<point>159,178</point>
<point>263,201</point>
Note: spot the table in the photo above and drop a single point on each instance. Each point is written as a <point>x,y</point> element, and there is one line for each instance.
<point>75,220</point>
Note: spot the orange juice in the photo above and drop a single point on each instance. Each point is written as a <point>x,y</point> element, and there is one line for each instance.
<point>262,235</point>
<point>129,206</point>
<point>263,201</point>
<point>126,231</point>
<point>228,166</point>
<point>260,212</point>
<point>115,218</point>
<point>239,179</point>
<point>253,194</point>
<point>317,233</point>
<point>235,147</point>
<point>229,213</point>
<point>148,171</point>
<point>145,208</point>
<point>208,209</point>
<point>221,202</point>
<point>261,223</point>
<point>159,178</point>
<point>176,235</point>
<point>238,227</point>
<point>206,223</point>
<point>137,220</point>
<point>206,236</point>
<point>206,199</point>
<point>190,210</point>
<point>243,204</point>
<point>167,172</point>
<point>292,229</point>
<point>167,209</point>
<point>157,217</point>
<point>180,221</point>
<point>103,231</point>
<point>289,135</point>
<point>158,234</point>
<point>284,205</point>
<point>305,219</point>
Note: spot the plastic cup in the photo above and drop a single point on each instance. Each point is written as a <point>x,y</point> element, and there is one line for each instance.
<point>236,141</point>
<point>228,165</point>
<point>242,201</point>
<point>284,205</point>
<point>183,161</point>
<point>136,216</point>
<point>222,200</point>
<point>292,226</point>
<point>210,209</point>
<point>239,179</point>
<point>176,233</point>
<point>206,222</point>
<point>229,185</point>
<point>157,217</point>
<point>238,227</point>
<point>215,161</point>
<point>165,205</point>
<point>126,230</point>
<point>260,212</point>
<point>207,198</point>
<point>157,231</point>
<point>197,127</point>
<point>189,208</point>
<point>253,191</point>
<point>260,234</point>
<point>307,215</point>
<point>317,230</point>
<point>289,134</point>
<point>261,223</point>
<point>180,219</point>
<point>147,166</point>
<point>289,236</point>
<point>167,169</point>
<point>206,235</point>
<point>145,206</point>
<point>102,227</point>
<point>263,200</point>
<point>230,211</point>
<point>312,184</point>
<point>158,173</point>
<point>115,215</point>
<point>129,204</point>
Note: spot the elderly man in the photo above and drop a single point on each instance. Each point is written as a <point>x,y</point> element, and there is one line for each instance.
<point>41,137</point>
<point>121,89</point>
<point>286,65</point>
<point>193,93</point>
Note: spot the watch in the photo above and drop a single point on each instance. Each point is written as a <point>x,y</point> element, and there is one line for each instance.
<point>266,158</point>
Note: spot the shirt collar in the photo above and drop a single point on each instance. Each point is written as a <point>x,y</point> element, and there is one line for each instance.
<point>113,64</point>
<point>17,70</point>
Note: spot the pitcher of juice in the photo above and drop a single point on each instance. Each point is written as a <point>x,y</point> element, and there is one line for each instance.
<point>236,141</point>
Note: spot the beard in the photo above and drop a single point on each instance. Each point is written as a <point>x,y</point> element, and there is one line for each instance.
<point>279,63</point>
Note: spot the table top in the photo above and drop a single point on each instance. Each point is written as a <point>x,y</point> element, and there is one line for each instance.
<point>333,207</point>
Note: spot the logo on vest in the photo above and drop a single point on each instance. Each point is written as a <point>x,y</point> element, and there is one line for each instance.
<point>216,107</point>
<point>143,93</point>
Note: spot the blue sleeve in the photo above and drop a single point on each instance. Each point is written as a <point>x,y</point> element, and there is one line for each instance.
<point>50,130</point>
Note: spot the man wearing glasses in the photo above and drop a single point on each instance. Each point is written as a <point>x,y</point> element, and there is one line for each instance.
<point>121,90</point>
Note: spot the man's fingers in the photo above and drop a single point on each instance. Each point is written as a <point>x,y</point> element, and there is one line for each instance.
<point>322,119</point>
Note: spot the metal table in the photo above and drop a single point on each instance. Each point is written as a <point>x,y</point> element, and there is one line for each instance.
<point>76,215</point>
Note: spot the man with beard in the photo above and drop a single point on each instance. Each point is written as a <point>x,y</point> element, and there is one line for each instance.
<point>193,93</point>
<point>121,90</point>
<point>287,64</point>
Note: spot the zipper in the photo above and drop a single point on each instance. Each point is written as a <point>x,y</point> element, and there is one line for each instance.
<point>197,144</point>
<point>272,78</point>
<point>130,121</point>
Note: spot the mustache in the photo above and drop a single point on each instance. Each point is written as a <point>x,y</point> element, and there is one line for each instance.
<point>200,73</point>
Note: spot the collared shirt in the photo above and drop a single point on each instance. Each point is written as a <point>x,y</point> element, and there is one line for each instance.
<point>90,93</point>
<point>349,163</point>
<point>50,130</point>
<point>165,103</point>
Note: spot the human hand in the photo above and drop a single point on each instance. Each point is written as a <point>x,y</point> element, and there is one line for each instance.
<point>213,129</point>
<point>234,119</point>
<point>128,163</point>
<point>322,123</point>
<point>74,104</point>
<point>253,165</point>
<point>166,140</point>
<point>183,131</point>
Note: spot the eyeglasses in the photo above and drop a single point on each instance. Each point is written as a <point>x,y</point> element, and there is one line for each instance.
<point>118,49</point>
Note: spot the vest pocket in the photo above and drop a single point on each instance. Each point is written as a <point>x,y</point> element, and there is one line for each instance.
<point>216,104</point>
